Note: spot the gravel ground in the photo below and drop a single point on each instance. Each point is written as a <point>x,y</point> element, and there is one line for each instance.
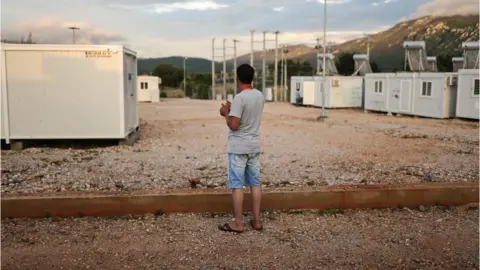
<point>185,139</point>
<point>433,238</point>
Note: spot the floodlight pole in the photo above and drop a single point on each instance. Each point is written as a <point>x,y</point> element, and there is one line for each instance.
<point>73,28</point>
<point>323,115</point>
<point>185,76</point>
<point>285,90</point>
<point>281,74</point>
<point>368,44</point>
<point>264,64</point>
<point>235,64</point>
<point>275,75</point>
<point>251,47</point>
<point>318,50</point>
<point>213,68</point>
<point>224,70</point>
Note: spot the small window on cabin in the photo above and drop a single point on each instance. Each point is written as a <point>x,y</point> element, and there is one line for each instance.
<point>427,89</point>
<point>476,87</point>
<point>141,85</point>
<point>378,87</point>
<point>298,86</point>
<point>146,85</point>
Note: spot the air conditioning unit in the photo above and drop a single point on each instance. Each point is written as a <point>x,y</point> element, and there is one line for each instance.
<point>335,83</point>
<point>452,80</point>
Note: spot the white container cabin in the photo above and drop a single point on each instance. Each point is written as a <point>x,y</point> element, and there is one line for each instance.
<point>68,92</point>
<point>296,86</point>
<point>469,82</point>
<point>421,92</point>
<point>148,88</point>
<point>427,94</point>
<point>340,91</point>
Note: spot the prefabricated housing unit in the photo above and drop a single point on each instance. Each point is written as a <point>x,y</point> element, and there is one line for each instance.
<point>469,82</point>
<point>468,94</point>
<point>427,94</point>
<point>68,92</point>
<point>148,88</point>
<point>340,91</point>
<point>421,92</point>
<point>296,88</point>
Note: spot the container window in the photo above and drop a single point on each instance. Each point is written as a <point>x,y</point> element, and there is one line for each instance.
<point>378,87</point>
<point>426,89</point>
<point>298,86</point>
<point>476,87</point>
<point>141,85</point>
<point>146,85</point>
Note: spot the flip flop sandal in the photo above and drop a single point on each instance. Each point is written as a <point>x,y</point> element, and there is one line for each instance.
<point>258,229</point>
<point>226,228</point>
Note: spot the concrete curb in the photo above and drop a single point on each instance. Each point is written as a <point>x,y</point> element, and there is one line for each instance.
<point>341,197</point>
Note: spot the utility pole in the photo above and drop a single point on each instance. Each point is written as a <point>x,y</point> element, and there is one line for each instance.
<point>73,28</point>
<point>224,70</point>
<point>235,64</point>
<point>275,75</point>
<point>323,115</point>
<point>185,76</point>
<point>264,63</point>
<point>213,68</point>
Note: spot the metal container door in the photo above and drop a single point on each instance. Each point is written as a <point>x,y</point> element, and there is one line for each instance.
<point>405,95</point>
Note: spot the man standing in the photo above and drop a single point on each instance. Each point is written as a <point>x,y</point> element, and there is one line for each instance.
<point>243,117</point>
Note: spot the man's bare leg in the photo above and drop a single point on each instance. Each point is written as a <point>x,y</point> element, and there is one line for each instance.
<point>256,202</point>
<point>237,195</point>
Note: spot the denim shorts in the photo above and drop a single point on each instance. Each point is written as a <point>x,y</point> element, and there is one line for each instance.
<point>243,169</point>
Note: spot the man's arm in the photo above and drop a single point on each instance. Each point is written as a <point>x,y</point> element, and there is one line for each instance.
<point>232,118</point>
<point>232,122</point>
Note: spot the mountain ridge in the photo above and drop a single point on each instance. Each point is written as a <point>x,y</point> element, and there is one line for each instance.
<point>443,36</point>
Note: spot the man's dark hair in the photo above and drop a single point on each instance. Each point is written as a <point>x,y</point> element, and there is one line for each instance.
<point>245,73</point>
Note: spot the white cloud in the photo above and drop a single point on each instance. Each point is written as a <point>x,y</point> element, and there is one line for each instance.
<point>192,5</point>
<point>47,30</point>
<point>331,2</point>
<point>202,47</point>
<point>278,9</point>
<point>447,8</point>
<point>384,2</point>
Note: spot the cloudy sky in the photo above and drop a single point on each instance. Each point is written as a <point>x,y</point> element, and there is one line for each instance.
<point>158,28</point>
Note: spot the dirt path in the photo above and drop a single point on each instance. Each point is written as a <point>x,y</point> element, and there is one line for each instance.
<point>371,239</point>
<point>185,139</point>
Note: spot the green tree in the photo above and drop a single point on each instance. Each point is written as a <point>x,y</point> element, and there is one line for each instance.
<point>29,38</point>
<point>374,66</point>
<point>22,40</point>
<point>294,68</point>
<point>444,63</point>
<point>345,64</point>
<point>171,76</point>
<point>199,85</point>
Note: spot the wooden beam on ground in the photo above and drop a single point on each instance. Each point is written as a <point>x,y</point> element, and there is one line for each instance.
<point>336,197</point>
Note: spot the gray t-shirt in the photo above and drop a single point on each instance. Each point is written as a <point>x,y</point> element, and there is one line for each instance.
<point>248,106</point>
